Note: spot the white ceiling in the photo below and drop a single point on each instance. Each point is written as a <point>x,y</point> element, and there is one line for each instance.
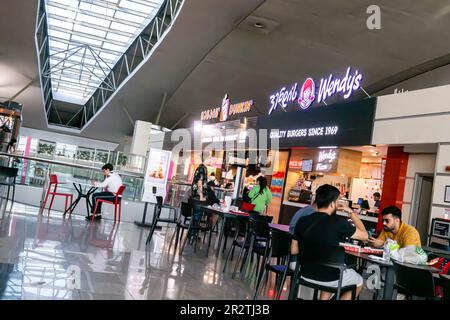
<point>214,49</point>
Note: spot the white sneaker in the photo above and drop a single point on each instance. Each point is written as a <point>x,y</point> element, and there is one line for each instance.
<point>401,296</point>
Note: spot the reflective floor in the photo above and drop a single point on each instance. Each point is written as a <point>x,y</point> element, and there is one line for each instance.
<point>45,257</point>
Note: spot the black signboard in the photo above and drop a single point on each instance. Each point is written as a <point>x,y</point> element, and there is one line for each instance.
<point>343,124</point>
<point>441,228</point>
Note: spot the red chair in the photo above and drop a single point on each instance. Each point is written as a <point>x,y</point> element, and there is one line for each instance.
<point>117,203</point>
<point>54,182</point>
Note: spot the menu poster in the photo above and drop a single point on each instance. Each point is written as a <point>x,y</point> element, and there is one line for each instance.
<point>156,174</point>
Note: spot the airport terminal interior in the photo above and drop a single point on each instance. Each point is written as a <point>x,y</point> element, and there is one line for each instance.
<point>224,150</point>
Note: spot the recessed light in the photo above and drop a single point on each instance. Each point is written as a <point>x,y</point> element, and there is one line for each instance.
<point>259,25</point>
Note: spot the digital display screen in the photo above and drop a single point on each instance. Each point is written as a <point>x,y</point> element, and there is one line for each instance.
<point>307,165</point>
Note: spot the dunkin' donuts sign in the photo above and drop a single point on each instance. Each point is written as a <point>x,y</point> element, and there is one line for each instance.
<point>226,110</point>
<point>307,94</point>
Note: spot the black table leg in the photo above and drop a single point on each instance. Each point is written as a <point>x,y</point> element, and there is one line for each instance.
<point>224,220</point>
<point>388,291</point>
<point>73,205</point>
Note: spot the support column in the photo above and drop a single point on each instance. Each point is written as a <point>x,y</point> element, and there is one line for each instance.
<point>394,180</point>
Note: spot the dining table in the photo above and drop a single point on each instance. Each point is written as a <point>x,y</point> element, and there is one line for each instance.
<point>225,215</point>
<point>84,190</point>
<point>388,267</point>
<point>279,227</point>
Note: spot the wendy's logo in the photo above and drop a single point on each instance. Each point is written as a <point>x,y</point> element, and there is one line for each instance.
<point>307,94</point>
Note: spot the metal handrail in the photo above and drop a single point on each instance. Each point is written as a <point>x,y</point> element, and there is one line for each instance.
<point>73,165</point>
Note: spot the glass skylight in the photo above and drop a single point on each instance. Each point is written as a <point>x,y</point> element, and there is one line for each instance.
<point>87,37</point>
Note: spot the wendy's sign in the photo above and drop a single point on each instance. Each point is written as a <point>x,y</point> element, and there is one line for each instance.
<point>328,87</point>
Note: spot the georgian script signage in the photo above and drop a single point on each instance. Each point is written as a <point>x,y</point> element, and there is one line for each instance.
<point>306,95</point>
<point>226,110</point>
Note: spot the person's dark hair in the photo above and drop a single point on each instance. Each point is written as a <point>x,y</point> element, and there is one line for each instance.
<point>212,174</point>
<point>108,166</point>
<point>377,194</point>
<point>262,184</point>
<point>325,195</point>
<point>396,212</point>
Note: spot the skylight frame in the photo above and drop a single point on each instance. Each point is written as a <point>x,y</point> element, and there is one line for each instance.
<point>64,15</point>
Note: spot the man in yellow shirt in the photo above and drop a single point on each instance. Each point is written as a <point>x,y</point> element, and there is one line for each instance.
<point>395,229</point>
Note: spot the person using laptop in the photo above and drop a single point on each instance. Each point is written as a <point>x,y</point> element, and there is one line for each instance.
<point>110,186</point>
<point>377,199</point>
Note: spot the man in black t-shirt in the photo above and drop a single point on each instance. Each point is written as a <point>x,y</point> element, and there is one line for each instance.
<point>324,229</point>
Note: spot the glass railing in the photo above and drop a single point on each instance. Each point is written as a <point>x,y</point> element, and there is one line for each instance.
<point>92,158</point>
<point>34,172</point>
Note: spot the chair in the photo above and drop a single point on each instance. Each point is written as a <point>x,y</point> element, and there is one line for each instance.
<point>54,182</point>
<point>315,255</point>
<point>240,223</point>
<point>280,248</point>
<point>205,225</point>
<point>117,203</point>
<point>259,231</point>
<point>10,174</point>
<point>413,281</point>
<point>157,216</point>
<point>445,284</point>
<point>185,214</point>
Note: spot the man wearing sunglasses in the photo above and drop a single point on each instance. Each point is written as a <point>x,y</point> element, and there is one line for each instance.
<point>395,229</point>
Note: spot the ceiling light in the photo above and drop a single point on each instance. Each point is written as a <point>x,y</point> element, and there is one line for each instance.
<point>198,126</point>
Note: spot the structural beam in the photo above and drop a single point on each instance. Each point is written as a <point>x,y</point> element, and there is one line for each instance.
<point>163,103</point>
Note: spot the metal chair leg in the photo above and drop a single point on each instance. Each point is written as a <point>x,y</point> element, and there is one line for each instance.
<point>238,259</point>
<point>258,285</point>
<point>51,204</point>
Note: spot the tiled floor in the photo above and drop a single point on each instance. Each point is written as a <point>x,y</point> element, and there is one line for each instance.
<point>38,252</point>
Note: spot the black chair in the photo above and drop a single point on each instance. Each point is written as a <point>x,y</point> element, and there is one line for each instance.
<point>413,281</point>
<point>240,225</point>
<point>279,248</point>
<point>205,224</point>
<point>182,223</point>
<point>312,255</point>
<point>259,231</point>
<point>10,175</point>
<point>157,216</point>
<point>444,281</point>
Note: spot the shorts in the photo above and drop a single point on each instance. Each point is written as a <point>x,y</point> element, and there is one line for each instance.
<point>349,278</point>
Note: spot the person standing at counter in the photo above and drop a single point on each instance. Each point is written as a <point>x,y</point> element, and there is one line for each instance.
<point>377,199</point>
<point>212,178</point>
<point>395,229</point>
<point>260,195</point>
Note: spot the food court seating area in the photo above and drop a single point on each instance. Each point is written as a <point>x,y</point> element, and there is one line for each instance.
<point>246,249</point>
